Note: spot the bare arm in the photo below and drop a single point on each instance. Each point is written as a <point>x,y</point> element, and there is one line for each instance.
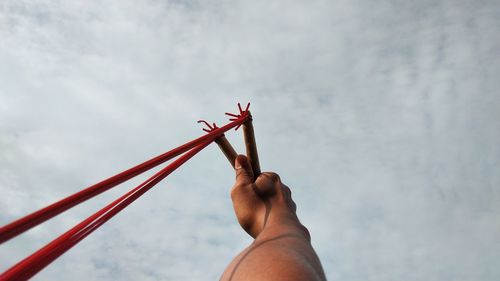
<point>281,249</point>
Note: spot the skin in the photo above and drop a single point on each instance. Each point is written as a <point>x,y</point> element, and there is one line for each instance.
<point>282,247</point>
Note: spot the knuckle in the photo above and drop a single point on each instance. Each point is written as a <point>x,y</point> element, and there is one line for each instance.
<point>273,176</point>
<point>241,173</point>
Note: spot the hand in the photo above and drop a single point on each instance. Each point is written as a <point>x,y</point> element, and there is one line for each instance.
<point>266,211</point>
<point>262,203</point>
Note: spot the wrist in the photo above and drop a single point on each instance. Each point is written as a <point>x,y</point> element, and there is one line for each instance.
<point>283,223</point>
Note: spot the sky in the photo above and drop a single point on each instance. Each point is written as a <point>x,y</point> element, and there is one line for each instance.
<point>381,116</point>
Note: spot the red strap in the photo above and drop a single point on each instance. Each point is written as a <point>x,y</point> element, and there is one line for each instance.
<point>25,223</point>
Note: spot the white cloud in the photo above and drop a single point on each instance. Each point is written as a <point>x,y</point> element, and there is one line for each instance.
<point>381,116</point>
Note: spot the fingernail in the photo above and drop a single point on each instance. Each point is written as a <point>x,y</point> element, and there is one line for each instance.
<point>237,165</point>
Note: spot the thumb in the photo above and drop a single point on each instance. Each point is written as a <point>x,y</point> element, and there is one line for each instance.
<point>244,173</point>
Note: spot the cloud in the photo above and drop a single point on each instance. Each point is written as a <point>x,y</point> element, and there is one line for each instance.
<point>382,117</point>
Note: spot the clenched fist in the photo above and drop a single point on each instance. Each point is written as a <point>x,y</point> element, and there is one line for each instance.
<point>261,202</point>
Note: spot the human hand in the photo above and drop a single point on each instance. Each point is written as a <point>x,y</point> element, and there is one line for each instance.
<point>266,211</point>
<point>262,203</point>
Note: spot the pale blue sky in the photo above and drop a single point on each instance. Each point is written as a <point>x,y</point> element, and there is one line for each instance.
<point>382,117</point>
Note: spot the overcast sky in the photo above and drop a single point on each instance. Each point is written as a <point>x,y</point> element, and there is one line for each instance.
<point>382,117</point>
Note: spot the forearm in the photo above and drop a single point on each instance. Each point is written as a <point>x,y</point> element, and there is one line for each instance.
<point>282,251</point>
<point>291,243</point>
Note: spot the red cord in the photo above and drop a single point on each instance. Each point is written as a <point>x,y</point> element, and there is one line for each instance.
<point>31,265</point>
<point>25,223</point>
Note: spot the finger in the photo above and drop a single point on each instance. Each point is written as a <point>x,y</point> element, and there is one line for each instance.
<point>269,176</point>
<point>289,200</point>
<point>244,173</point>
<point>287,192</point>
<point>267,184</point>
